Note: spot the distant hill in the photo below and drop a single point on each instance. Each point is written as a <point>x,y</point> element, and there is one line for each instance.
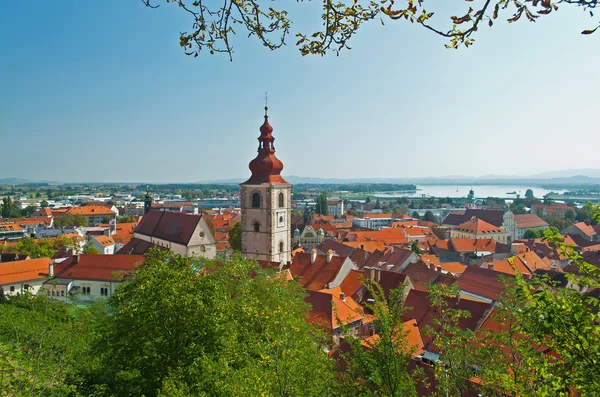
<point>13,181</point>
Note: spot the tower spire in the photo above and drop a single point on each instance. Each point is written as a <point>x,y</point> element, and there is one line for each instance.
<point>266,167</point>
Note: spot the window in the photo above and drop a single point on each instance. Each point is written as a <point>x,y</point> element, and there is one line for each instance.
<point>281,246</point>
<point>53,293</point>
<point>12,288</point>
<point>256,226</point>
<point>281,200</point>
<point>256,200</point>
<point>48,292</point>
<point>62,293</point>
<point>103,291</point>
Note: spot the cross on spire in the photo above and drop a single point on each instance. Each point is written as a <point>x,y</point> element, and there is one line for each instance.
<point>266,103</point>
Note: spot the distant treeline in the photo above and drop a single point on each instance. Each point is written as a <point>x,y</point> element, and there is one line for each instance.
<point>355,187</point>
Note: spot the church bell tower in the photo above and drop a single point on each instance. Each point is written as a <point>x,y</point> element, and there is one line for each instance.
<point>266,204</point>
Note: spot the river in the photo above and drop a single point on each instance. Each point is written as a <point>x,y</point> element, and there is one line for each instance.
<point>460,191</point>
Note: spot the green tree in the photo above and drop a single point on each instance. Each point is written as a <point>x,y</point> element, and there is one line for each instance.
<point>531,233</point>
<point>38,195</point>
<point>518,208</point>
<point>377,204</point>
<point>235,236</point>
<point>321,207</point>
<point>89,248</point>
<point>7,207</point>
<point>71,220</point>
<point>585,213</point>
<point>227,329</point>
<point>368,200</point>
<point>558,222</point>
<point>28,211</point>
<point>414,247</point>
<point>429,217</point>
<point>415,215</point>
<point>44,204</point>
<point>381,369</point>
<point>340,21</point>
<point>529,193</point>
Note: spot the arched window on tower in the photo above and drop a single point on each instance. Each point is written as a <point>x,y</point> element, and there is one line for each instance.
<point>281,246</point>
<point>256,226</point>
<point>256,200</point>
<point>281,200</point>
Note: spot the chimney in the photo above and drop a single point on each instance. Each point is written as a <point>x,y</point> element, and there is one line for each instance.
<point>439,269</point>
<point>362,246</point>
<point>432,266</point>
<point>75,259</point>
<point>490,266</point>
<point>313,256</point>
<point>51,270</point>
<point>526,276</point>
<point>342,296</point>
<point>329,255</point>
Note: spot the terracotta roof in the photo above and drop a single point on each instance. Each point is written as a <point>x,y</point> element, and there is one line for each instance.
<point>91,210</point>
<point>519,248</point>
<point>421,276</point>
<point>318,275</point>
<point>137,246</point>
<point>176,227</point>
<point>26,270</point>
<point>525,221</point>
<point>266,167</point>
<point>376,216</point>
<point>482,282</point>
<point>390,281</point>
<point>478,226</point>
<point>387,235</point>
<point>97,267</point>
<point>339,248</point>
<point>369,246</point>
<point>29,221</point>
<point>585,228</point>
<point>418,307</point>
<point>352,284</point>
<point>105,241</point>
<point>455,218</point>
<point>42,212</point>
<point>472,245</point>
<point>414,342</point>
<point>10,227</point>
<point>328,309</point>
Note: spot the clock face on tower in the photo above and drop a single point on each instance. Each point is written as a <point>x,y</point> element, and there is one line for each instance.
<point>280,218</point>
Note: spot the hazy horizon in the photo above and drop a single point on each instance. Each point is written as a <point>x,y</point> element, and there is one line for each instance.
<point>109,95</point>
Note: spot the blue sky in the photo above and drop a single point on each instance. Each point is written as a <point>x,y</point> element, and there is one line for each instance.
<point>101,91</point>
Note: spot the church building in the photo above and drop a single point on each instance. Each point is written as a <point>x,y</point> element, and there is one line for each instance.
<point>266,204</point>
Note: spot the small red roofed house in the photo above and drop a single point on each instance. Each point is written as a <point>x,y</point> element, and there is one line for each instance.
<point>559,209</point>
<point>583,230</point>
<point>331,308</point>
<point>525,263</point>
<point>85,277</point>
<point>104,244</point>
<point>24,275</point>
<point>316,272</point>
<point>479,229</point>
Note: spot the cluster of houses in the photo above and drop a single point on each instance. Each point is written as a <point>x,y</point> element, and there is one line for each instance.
<point>330,256</point>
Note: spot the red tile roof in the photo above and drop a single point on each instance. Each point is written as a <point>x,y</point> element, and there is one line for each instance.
<point>585,228</point>
<point>478,226</point>
<point>97,267</point>
<point>26,270</point>
<point>89,210</point>
<point>472,245</point>
<point>176,227</point>
<point>525,221</point>
<point>318,275</point>
<point>482,282</point>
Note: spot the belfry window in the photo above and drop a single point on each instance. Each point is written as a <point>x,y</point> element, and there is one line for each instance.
<point>281,246</point>
<point>256,200</point>
<point>281,200</point>
<point>256,226</point>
